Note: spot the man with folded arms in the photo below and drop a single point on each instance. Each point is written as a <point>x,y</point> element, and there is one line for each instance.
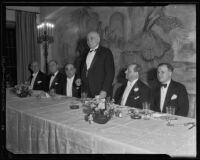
<point>56,78</point>
<point>38,79</point>
<point>97,68</point>
<point>134,92</point>
<point>169,92</point>
<point>72,86</point>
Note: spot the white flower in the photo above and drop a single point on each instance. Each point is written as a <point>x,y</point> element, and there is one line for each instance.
<point>137,97</point>
<point>39,82</point>
<point>136,89</point>
<point>174,96</point>
<point>78,82</point>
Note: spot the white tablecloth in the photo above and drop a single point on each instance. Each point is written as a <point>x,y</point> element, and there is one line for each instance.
<point>36,125</point>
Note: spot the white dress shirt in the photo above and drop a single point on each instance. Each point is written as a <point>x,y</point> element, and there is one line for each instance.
<point>52,78</point>
<point>163,92</point>
<point>127,91</point>
<point>69,86</point>
<point>90,57</point>
<point>33,80</point>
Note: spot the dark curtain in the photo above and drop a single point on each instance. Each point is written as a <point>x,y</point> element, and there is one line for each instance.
<point>26,43</point>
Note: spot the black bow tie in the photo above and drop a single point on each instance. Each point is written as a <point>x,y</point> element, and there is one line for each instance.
<point>93,50</point>
<point>163,85</point>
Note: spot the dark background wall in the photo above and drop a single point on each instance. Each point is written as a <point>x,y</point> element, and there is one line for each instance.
<point>147,35</point>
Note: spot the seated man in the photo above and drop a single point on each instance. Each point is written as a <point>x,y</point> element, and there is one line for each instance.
<point>169,92</point>
<point>134,92</point>
<point>72,85</point>
<point>56,79</point>
<point>38,79</point>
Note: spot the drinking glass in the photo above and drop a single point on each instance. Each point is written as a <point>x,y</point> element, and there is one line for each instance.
<point>52,92</point>
<point>170,110</point>
<point>146,108</point>
<point>83,97</point>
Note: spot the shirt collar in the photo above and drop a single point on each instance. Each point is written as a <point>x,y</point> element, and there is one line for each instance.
<point>95,48</point>
<point>71,79</point>
<point>55,73</point>
<point>168,82</point>
<point>132,83</point>
<point>35,74</point>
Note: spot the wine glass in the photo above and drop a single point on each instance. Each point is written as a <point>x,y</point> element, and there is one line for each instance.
<point>170,110</point>
<point>146,108</point>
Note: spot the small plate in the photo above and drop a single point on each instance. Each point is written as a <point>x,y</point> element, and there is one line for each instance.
<point>74,106</point>
<point>136,116</point>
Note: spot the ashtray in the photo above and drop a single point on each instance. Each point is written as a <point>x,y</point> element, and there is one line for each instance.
<point>74,106</point>
<point>136,116</point>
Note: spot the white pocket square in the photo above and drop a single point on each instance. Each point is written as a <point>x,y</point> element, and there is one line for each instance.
<point>39,82</point>
<point>56,83</point>
<point>174,96</point>
<point>137,97</point>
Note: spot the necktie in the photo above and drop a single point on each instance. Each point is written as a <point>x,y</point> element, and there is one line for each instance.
<point>163,85</point>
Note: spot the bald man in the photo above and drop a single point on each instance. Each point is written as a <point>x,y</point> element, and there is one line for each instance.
<point>38,79</point>
<point>97,68</point>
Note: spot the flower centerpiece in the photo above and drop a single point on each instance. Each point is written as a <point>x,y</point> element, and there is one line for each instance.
<point>99,111</point>
<point>22,90</point>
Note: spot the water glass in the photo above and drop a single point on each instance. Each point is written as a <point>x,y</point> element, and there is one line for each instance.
<point>146,108</point>
<point>52,92</point>
<point>83,97</point>
<point>170,110</point>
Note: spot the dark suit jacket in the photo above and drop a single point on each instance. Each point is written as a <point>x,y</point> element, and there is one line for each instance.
<point>181,102</point>
<point>139,93</point>
<point>58,83</point>
<point>101,72</point>
<point>40,81</point>
<point>76,91</point>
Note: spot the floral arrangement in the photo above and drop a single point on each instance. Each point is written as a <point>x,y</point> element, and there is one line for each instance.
<point>99,111</point>
<point>22,90</point>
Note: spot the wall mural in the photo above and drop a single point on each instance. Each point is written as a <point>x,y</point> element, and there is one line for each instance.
<point>146,35</point>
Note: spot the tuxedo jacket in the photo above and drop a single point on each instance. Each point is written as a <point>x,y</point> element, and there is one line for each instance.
<point>101,72</point>
<point>58,83</point>
<point>40,81</point>
<point>139,93</point>
<point>76,90</point>
<point>176,96</point>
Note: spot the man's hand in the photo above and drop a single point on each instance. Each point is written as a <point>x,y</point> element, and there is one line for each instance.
<point>102,94</point>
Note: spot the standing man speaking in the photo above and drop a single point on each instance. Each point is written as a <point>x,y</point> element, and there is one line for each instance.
<point>98,68</point>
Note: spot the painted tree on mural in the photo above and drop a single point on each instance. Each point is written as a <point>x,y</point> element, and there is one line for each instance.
<point>143,44</point>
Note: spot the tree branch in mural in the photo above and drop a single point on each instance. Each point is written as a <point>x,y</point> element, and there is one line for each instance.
<point>148,43</point>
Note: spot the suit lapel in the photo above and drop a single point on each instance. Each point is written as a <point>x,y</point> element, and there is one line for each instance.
<point>36,79</point>
<point>95,57</point>
<point>54,80</point>
<point>168,95</point>
<point>74,86</point>
<point>132,92</point>
<point>123,87</point>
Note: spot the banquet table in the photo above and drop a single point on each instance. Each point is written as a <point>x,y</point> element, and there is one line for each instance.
<point>49,126</point>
